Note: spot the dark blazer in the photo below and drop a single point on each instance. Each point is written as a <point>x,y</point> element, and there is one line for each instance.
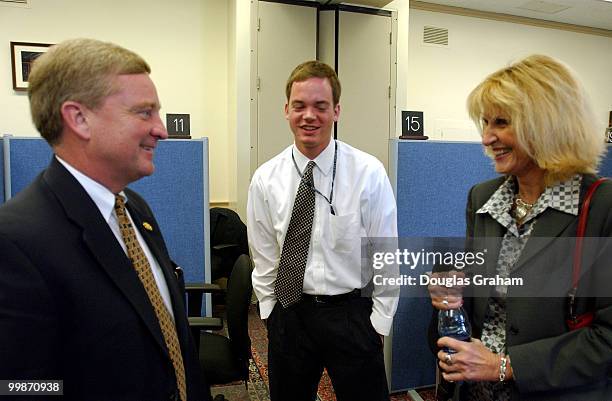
<point>549,361</point>
<point>71,305</point>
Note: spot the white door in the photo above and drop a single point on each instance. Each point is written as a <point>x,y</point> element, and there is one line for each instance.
<point>286,37</point>
<point>365,71</point>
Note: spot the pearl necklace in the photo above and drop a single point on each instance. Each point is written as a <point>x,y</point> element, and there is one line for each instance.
<point>521,209</point>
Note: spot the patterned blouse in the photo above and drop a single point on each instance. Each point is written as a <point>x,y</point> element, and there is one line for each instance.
<point>563,196</point>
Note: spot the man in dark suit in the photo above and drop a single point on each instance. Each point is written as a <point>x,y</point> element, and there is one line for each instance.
<point>84,297</point>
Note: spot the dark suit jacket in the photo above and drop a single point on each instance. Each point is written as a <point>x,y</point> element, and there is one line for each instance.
<point>549,361</point>
<point>71,305</point>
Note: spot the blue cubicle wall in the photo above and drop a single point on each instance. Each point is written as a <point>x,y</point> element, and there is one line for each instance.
<point>28,157</point>
<point>432,180</point>
<point>2,178</point>
<point>605,169</point>
<point>179,200</point>
<point>177,193</point>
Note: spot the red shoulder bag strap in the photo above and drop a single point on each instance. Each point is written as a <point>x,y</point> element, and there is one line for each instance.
<point>574,321</point>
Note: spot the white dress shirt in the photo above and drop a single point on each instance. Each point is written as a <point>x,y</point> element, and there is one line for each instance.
<point>364,207</point>
<point>105,201</point>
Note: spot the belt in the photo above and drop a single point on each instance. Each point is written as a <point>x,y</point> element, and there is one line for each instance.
<point>332,299</point>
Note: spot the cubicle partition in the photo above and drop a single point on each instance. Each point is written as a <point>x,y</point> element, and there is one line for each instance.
<point>431,180</point>
<point>605,169</point>
<point>177,193</point>
<point>27,158</point>
<point>2,169</point>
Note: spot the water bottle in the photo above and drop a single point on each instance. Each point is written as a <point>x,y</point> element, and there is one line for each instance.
<point>454,323</point>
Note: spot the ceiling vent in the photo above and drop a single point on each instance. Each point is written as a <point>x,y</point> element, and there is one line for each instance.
<point>435,36</point>
<point>15,3</point>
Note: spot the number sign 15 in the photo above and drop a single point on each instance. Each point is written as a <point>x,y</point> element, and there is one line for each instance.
<point>412,123</point>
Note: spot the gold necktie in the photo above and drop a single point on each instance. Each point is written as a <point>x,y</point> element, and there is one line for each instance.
<point>142,267</point>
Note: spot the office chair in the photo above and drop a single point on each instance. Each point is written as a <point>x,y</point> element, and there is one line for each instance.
<point>226,359</point>
<point>228,240</point>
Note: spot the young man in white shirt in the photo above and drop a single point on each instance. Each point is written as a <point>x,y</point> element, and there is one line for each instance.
<point>334,322</point>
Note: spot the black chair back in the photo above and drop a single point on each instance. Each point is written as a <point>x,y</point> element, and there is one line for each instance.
<point>228,240</point>
<point>238,299</point>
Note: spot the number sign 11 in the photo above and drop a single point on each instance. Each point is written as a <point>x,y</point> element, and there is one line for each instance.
<point>177,125</point>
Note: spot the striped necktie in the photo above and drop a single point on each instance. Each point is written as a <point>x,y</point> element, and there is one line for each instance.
<point>143,269</point>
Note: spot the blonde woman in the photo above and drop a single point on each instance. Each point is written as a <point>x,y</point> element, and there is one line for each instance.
<point>537,126</point>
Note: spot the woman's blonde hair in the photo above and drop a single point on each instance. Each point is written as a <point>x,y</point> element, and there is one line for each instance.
<point>549,111</point>
<point>81,70</point>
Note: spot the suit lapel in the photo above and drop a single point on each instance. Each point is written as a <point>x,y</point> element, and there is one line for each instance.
<point>550,225</point>
<point>102,243</point>
<point>488,237</point>
<point>152,235</point>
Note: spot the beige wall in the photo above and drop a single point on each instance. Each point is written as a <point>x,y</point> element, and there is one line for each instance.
<point>401,96</point>
<point>184,41</point>
<point>214,91</point>
<point>439,79</point>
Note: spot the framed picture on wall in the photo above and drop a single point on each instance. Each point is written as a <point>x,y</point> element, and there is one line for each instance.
<point>22,56</point>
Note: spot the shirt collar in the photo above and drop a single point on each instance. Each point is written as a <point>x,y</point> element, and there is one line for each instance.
<point>563,196</point>
<point>324,160</point>
<point>102,196</point>
<point>498,205</point>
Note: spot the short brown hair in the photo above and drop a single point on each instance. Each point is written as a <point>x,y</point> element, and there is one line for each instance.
<point>80,70</point>
<point>314,69</point>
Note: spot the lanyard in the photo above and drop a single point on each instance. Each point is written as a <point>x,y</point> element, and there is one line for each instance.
<point>331,192</point>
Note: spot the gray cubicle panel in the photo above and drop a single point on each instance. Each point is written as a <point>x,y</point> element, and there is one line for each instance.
<point>177,193</point>
<point>431,181</point>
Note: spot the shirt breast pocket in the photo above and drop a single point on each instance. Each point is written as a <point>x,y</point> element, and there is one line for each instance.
<point>344,232</point>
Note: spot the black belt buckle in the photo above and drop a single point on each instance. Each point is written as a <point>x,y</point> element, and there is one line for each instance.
<point>321,299</point>
<point>332,299</point>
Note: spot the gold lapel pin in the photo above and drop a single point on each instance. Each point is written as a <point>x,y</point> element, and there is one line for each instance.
<point>147,226</point>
